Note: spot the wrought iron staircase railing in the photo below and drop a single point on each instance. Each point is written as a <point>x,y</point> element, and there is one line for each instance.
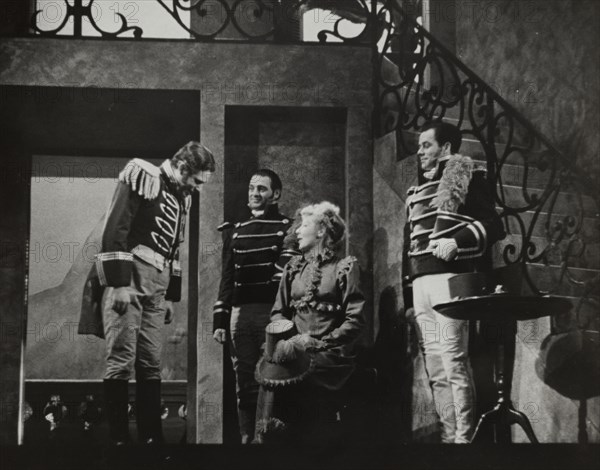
<point>548,203</point>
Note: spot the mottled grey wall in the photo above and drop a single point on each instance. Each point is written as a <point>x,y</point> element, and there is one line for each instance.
<point>542,57</point>
<point>227,74</point>
<point>305,147</point>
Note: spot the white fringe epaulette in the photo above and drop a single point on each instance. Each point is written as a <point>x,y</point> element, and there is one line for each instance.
<point>454,183</point>
<point>143,177</point>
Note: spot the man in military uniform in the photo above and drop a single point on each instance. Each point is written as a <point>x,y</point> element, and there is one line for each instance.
<point>138,276</point>
<point>452,224</point>
<point>253,261</point>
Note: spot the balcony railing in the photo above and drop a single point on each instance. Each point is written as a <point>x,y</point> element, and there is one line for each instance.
<point>285,21</point>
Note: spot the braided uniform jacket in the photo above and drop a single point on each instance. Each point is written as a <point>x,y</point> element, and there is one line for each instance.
<point>471,220</point>
<point>146,219</point>
<point>253,260</point>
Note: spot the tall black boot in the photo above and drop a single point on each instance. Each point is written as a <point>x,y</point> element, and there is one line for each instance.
<point>116,398</point>
<point>148,411</point>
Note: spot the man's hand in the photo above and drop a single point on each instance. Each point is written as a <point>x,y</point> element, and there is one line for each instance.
<point>444,248</point>
<point>121,300</point>
<point>220,335</point>
<point>169,311</point>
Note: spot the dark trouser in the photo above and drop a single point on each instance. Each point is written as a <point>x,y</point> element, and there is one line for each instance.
<point>247,328</point>
<point>133,340</point>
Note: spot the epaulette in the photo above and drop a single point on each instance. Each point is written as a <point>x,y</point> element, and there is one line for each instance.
<point>143,177</point>
<point>460,160</point>
<point>343,268</point>
<point>224,226</point>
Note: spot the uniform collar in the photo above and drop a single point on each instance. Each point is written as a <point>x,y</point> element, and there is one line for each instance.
<point>436,173</point>
<point>271,212</point>
<point>167,169</point>
<point>168,174</point>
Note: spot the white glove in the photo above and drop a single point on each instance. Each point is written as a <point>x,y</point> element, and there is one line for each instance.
<point>444,248</point>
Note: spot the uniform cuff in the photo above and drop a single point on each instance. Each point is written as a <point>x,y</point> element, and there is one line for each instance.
<point>221,315</point>
<point>471,241</point>
<point>174,290</point>
<point>114,268</point>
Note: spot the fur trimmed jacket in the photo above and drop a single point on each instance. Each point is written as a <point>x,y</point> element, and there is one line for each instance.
<point>457,203</point>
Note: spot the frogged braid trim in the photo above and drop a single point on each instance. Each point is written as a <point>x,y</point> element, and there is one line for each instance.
<point>143,177</point>
<point>454,184</point>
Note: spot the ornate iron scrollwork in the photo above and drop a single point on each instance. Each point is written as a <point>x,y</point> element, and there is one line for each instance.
<point>217,15</point>
<point>78,11</point>
<point>549,206</point>
<point>232,20</point>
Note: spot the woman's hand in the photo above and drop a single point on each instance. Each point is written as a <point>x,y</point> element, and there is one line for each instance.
<point>308,342</point>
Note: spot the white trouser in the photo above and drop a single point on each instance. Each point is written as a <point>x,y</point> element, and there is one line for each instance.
<point>444,343</point>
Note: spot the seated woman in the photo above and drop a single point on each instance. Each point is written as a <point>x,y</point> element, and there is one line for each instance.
<point>319,292</point>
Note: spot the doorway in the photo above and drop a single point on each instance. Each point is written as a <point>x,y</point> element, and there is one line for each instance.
<point>306,147</point>
<point>70,144</point>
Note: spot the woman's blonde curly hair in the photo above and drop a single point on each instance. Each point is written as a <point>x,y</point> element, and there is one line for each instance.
<point>327,215</point>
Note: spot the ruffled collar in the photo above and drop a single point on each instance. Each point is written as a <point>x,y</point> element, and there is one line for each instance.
<point>313,260</point>
<point>319,257</point>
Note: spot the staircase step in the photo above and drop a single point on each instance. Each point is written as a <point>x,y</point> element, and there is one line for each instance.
<point>590,259</point>
<point>473,148</point>
<point>520,136</point>
<point>565,202</point>
<point>546,279</point>
<point>519,139</point>
<point>590,230</point>
<point>514,174</point>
